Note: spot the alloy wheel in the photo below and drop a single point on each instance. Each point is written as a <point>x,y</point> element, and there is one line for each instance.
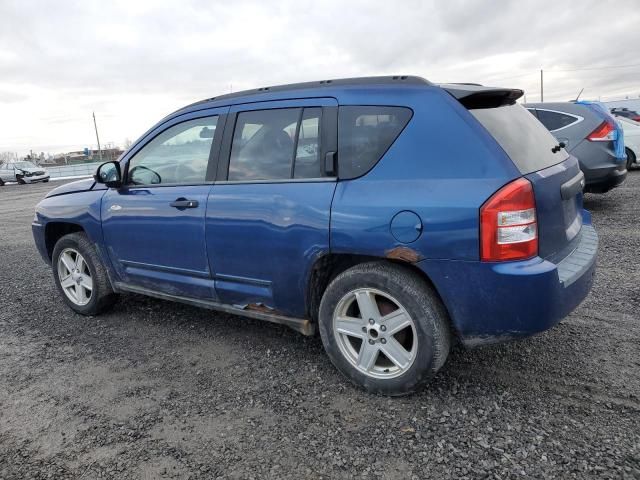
<point>75,277</point>
<point>375,333</point>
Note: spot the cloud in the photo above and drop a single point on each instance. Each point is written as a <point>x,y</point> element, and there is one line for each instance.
<point>133,62</point>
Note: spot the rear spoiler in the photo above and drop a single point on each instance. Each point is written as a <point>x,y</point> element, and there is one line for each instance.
<point>474,96</point>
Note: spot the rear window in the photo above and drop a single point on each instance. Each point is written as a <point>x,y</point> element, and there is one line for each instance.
<point>527,142</point>
<point>364,135</point>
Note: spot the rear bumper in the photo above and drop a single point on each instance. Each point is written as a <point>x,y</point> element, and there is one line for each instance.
<point>607,180</point>
<point>495,302</point>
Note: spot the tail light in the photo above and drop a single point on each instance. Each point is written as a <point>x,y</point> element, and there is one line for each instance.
<point>508,226</point>
<point>605,132</point>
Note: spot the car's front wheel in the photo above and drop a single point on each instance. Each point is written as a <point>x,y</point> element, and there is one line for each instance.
<point>384,328</point>
<point>80,276</point>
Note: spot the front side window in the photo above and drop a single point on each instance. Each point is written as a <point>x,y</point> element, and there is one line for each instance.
<point>365,134</point>
<point>276,144</point>
<point>179,155</point>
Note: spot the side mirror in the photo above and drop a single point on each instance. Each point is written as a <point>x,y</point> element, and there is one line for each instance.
<point>109,174</point>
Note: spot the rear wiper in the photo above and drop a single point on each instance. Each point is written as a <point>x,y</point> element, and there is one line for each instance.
<point>558,147</point>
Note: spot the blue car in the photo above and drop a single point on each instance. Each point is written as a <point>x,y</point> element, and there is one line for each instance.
<point>390,214</point>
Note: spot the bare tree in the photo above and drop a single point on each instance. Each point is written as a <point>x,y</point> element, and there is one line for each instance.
<point>8,156</point>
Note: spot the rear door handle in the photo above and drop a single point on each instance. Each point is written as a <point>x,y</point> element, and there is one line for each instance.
<point>182,203</point>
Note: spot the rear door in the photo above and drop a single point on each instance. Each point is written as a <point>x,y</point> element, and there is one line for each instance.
<point>268,213</point>
<point>154,225</point>
<point>555,175</point>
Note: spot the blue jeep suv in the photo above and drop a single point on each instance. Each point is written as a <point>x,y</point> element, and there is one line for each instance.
<point>390,214</point>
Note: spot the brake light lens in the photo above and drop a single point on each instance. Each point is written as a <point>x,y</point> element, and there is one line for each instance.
<point>508,225</point>
<point>605,132</point>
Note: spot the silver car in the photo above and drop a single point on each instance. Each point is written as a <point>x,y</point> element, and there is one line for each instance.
<point>22,172</point>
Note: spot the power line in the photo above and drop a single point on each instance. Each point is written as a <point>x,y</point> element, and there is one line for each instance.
<point>499,79</point>
<point>566,70</point>
<point>596,68</point>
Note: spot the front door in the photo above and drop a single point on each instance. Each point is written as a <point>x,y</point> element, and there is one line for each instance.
<point>154,226</point>
<point>268,214</point>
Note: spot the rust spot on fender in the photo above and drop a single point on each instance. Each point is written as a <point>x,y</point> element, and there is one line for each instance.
<point>404,254</point>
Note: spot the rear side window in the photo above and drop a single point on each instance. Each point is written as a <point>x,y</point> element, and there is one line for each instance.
<point>527,142</point>
<point>364,135</point>
<point>555,120</point>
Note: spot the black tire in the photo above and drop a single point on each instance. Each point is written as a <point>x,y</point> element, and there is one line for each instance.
<point>421,303</point>
<point>20,180</point>
<point>102,296</point>
<point>45,181</point>
<point>631,158</point>
<point>1,183</point>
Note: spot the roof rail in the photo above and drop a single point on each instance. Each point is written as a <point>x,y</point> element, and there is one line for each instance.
<point>382,80</point>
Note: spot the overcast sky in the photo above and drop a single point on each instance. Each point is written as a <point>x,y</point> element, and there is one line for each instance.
<point>135,61</point>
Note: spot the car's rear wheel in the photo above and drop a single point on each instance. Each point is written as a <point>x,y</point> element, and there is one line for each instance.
<point>1,183</point>
<point>631,158</point>
<point>80,276</point>
<point>384,328</point>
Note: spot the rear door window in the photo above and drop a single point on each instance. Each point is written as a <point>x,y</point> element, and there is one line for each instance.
<point>263,143</point>
<point>365,133</point>
<point>276,144</point>
<point>555,120</point>
<point>527,142</point>
<point>307,164</point>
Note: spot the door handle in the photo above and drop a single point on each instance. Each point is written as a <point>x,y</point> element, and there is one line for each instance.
<point>182,203</point>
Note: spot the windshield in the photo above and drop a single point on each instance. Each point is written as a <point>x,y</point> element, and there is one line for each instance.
<point>527,142</point>
<point>25,165</point>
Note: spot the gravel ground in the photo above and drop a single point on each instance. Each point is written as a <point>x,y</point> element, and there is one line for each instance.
<point>161,390</point>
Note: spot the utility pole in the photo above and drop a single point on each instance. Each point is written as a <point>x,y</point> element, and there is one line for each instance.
<point>97,138</point>
<point>541,86</point>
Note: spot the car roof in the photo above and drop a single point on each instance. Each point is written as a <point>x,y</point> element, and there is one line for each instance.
<point>472,95</point>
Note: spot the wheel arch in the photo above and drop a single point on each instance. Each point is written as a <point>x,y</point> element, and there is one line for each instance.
<point>55,230</point>
<point>330,265</point>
